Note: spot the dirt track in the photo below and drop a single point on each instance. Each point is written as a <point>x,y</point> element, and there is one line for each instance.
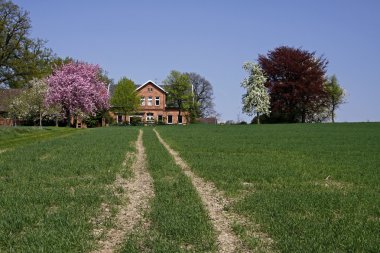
<point>138,190</point>
<point>214,202</point>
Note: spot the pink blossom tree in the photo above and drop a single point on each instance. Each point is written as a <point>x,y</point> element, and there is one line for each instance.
<point>76,88</point>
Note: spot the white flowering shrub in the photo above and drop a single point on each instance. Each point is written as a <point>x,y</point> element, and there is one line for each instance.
<point>256,100</point>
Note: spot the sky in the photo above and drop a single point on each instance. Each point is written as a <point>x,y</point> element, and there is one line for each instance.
<point>145,40</point>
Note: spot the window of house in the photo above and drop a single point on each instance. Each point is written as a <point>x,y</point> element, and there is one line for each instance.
<point>170,119</point>
<point>157,101</point>
<point>150,99</point>
<point>142,99</point>
<point>160,119</point>
<point>179,119</point>
<point>150,89</point>
<point>119,118</point>
<point>149,116</point>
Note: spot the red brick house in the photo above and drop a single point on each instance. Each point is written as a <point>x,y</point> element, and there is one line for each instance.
<point>153,107</point>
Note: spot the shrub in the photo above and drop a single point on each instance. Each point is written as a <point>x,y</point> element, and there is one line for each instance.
<point>135,121</point>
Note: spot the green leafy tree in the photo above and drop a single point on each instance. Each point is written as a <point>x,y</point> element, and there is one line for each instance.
<point>180,95</point>
<point>21,58</point>
<point>57,62</point>
<point>256,99</point>
<point>335,94</point>
<point>103,75</point>
<point>125,98</point>
<point>203,95</point>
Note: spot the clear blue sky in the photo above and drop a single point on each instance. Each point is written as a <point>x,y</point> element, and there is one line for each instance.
<point>147,39</point>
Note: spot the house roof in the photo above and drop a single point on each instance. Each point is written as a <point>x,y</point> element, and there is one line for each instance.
<point>6,95</point>
<point>138,87</point>
<point>150,81</point>
<point>210,120</point>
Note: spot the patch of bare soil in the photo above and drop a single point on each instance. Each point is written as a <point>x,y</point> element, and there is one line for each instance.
<point>137,191</point>
<point>45,156</point>
<point>330,183</point>
<point>5,150</point>
<point>215,203</point>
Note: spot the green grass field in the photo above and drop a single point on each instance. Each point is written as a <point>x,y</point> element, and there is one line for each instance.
<point>311,187</point>
<point>13,136</point>
<point>51,187</point>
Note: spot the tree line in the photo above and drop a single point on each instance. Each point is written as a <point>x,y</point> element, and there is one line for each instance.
<point>21,58</point>
<point>80,89</point>
<point>56,88</point>
<point>290,85</point>
<point>285,85</point>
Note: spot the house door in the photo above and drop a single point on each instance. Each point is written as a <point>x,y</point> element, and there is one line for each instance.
<point>170,119</point>
<point>179,119</point>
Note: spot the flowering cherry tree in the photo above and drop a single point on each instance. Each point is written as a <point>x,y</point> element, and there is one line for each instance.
<point>256,99</point>
<point>76,88</point>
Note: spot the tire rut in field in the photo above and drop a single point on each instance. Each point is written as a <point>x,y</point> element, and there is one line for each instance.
<point>138,190</point>
<point>215,203</point>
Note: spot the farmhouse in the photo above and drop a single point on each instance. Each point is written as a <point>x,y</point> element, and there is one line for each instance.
<point>153,107</point>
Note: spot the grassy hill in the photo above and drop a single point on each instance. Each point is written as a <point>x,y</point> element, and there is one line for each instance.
<point>311,187</point>
<point>52,184</point>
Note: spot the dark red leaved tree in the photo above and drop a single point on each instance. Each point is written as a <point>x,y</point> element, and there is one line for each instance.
<point>295,83</point>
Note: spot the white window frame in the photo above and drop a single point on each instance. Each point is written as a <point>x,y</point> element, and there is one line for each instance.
<point>157,99</point>
<point>150,101</point>
<point>168,119</point>
<point>150,116</point>
<point>142,101</point>
<point>178,119</point>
